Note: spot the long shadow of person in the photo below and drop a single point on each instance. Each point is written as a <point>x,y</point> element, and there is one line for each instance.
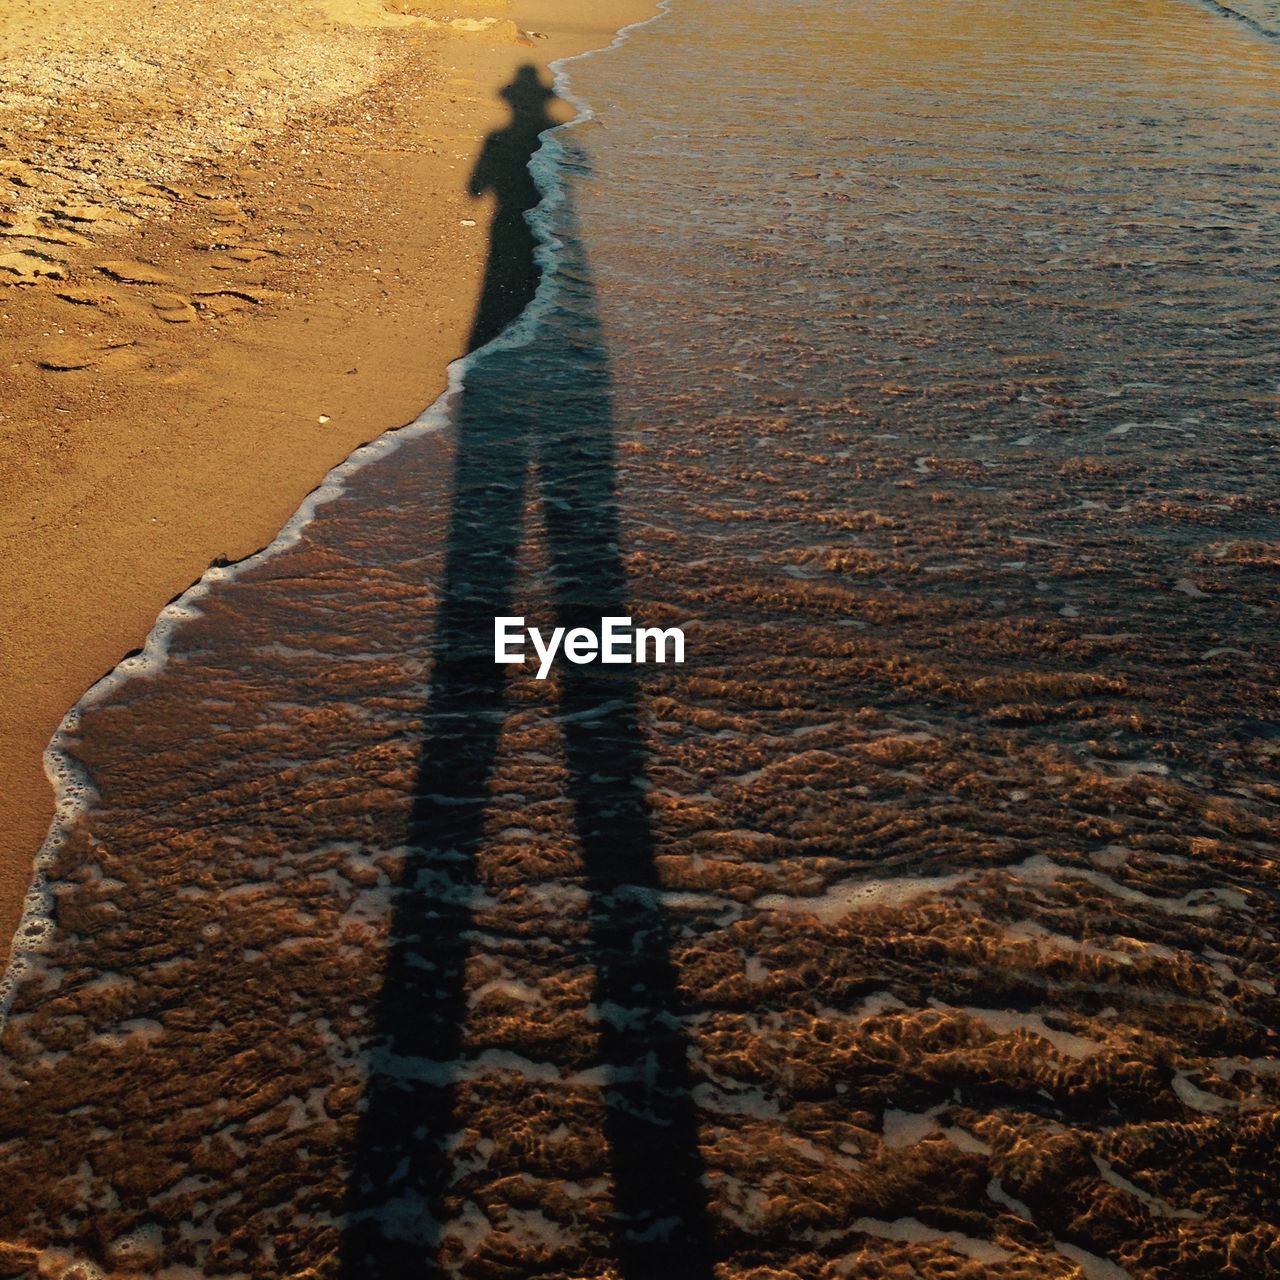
<point>540,408</point>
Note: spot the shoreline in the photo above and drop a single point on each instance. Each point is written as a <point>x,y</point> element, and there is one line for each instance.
<point>188,458</point>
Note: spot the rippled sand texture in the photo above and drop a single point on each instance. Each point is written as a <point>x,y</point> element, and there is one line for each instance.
<point>924,360</point>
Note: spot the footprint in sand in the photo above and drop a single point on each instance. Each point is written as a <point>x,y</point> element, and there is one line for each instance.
<point>23,175</point>
<point>173,308</point>
<point>26,266</point>
<point>41,231</point>
<point>116,357</point>
<point>101,217</point>
<point>131,271</point>
<point>239,257</point>
<point>221,302</point>
<point>87,298</point>
<point>146,194</point>
<point>69,355</point>
<point>226,213</point>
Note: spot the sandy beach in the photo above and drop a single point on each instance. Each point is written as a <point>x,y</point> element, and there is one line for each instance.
<point>235,243</point>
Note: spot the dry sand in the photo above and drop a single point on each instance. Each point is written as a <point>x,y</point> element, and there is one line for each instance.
<point>233,246</point>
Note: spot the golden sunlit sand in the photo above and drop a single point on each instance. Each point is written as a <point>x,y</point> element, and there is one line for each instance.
<point>235,242</point>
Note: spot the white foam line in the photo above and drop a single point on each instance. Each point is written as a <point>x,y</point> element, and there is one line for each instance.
<point>1246,20</point>
<point>913,1231</point>
<point>72,787</point>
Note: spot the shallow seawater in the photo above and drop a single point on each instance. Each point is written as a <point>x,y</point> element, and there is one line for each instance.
<point>921,363</point>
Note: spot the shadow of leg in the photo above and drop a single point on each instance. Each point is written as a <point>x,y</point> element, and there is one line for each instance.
<point>661,1226</point>
<point>401,1174</point>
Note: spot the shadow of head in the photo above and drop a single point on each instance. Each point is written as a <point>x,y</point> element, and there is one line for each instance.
<point>526,93</point>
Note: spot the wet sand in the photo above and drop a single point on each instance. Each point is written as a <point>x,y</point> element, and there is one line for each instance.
<point>235,243</point>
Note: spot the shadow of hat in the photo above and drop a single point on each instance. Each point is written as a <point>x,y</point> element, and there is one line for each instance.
<point>526,88</point>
